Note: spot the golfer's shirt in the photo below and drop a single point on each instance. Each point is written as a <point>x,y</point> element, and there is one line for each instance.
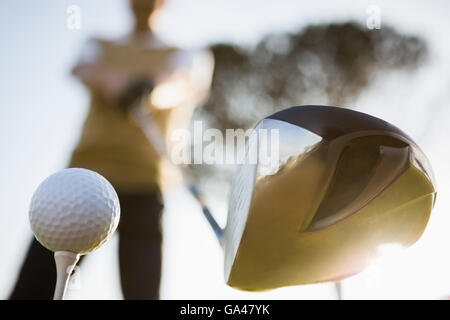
<point>110,142</point>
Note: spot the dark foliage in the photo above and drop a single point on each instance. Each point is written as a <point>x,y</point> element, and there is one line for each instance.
<point>328,64</point>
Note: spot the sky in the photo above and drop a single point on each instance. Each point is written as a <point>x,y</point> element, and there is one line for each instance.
<point>42,108</point>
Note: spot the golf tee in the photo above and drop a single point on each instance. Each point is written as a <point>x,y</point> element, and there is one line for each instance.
<point>65,263</point>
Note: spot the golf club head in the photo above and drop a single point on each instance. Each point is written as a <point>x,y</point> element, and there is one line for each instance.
<point>343,184</point>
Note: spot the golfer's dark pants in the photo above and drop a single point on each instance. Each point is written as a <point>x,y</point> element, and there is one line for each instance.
<point>140,240</point>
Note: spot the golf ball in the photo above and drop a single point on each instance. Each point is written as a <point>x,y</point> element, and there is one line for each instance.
<point>74,210</point>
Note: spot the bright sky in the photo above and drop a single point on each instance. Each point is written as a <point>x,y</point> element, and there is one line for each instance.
<point>42,109</point>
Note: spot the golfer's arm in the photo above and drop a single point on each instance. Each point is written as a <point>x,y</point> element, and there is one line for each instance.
<point>186,85</point>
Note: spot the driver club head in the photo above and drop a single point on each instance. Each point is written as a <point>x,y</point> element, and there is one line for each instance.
<point>344,183</point>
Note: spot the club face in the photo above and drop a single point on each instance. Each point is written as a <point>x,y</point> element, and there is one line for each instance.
<point>272,144</point>
<point>340,186</point>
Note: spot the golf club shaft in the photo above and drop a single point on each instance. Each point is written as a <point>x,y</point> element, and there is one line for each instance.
<point>338,290</point>
<point>151,130</point>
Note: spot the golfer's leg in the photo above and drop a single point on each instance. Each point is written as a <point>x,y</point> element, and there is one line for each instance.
<point>37,276</point>
<point>140,242</point>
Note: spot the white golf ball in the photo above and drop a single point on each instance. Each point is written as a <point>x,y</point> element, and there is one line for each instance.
<point>74,210</point>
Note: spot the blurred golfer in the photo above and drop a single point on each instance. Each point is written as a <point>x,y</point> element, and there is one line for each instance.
<point>114,146</point>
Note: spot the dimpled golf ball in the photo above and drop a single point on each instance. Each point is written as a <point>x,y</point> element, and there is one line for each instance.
<point>74,210</point>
